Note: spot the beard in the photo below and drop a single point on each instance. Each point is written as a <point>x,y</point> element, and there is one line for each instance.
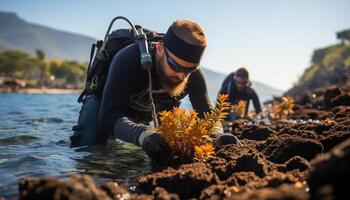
<point>171,84</point>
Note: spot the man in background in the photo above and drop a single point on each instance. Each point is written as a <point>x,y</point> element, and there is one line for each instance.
<point>238,86</point>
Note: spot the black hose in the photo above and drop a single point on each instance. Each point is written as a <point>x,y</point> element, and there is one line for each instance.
<point>111,24</point>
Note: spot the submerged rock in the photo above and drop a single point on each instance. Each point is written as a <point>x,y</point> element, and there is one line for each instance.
<point>298,163</point>
<point>188,181</point>
<point>77,187</point>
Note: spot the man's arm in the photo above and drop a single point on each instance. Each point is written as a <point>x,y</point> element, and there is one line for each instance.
<point>199,98</point>
<point>256,102</point>
<point>122,78</point>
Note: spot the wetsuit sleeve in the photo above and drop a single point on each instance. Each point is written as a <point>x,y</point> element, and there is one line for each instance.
<point>198,93</point>
<point>256,102</point>
<point>122,77</point>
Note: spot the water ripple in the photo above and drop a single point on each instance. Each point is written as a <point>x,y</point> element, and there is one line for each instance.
<point>19,139</point>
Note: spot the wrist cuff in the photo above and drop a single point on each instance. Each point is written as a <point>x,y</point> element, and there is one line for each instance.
<point>143,135</point>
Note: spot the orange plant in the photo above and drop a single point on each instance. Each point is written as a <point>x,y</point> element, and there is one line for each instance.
<point>284,108</point>
<point>239,108</point>
<point>201,153</point>
<point>186,132</point>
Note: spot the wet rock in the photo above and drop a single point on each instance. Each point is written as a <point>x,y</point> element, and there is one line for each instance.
<point>248,163</point>
<point>161,194</point>
<point>242,159</point>
<point>281,148</point>
<point>341,112</point>
<point>317,102</point>
<point>218,166</point>
<point>275,179</point>
<point>329,141</point>
<point>330,172</point>
<point>341,100</point>
<point>82,187</point>
<point>188,181</point>
<point>114,191</point>
<point>242,178</point>
<point>77,187</point>
<point>285,191</point>
<point>303,98</point>
<point>214,192</point>
<point>256,132</point>
<point>309,113</point>
<point>302,133</point>
<point>335,135</point>
<point>296,162</point>
<point>329,94</point>
<point>239,123</point>
<point>158,193</point>
<point>317,128</point>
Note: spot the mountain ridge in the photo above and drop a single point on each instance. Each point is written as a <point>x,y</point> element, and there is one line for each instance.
<point>20,34</point>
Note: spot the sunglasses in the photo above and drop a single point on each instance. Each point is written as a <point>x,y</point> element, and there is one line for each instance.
<point>177,67</point>
<point>245,83</point>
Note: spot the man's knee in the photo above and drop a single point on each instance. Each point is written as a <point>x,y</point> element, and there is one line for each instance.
<point>87,131</point>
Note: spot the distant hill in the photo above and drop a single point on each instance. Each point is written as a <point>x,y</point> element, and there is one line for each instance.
<point>329,65</point>
<point>17,33</point>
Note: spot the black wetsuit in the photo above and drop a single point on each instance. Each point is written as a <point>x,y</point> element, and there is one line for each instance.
<point>125,107</point>
<point>229,87</point>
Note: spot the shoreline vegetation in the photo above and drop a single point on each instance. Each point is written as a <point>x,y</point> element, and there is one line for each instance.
<point>21,72</point>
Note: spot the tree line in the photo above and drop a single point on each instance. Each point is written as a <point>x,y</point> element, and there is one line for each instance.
<point>39,72</point>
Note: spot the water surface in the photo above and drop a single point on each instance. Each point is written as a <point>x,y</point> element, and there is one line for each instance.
<point>34,141</point>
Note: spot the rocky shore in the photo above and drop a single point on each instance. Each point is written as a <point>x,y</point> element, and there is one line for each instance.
<point>304,157</point>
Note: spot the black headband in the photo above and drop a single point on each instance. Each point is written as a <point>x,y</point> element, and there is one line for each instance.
<point>186,51</point>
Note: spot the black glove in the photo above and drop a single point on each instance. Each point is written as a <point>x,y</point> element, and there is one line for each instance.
<point>224,139</point>
<point>155,146</point>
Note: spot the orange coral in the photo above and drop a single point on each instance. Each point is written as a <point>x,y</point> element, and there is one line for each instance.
<point>329,121</point>
<point>239,108</point>
<point>183,131</point>
<point>284,108</point>
<point>203,152</point>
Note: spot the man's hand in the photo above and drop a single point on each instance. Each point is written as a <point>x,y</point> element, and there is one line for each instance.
<point>155,146</point>
<point>224,139</point>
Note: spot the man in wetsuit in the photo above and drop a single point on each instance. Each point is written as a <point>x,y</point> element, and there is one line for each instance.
<point>125,110</point>
<point>238,86</point>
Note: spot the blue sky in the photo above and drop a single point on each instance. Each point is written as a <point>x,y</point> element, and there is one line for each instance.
<point>273,39</point>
